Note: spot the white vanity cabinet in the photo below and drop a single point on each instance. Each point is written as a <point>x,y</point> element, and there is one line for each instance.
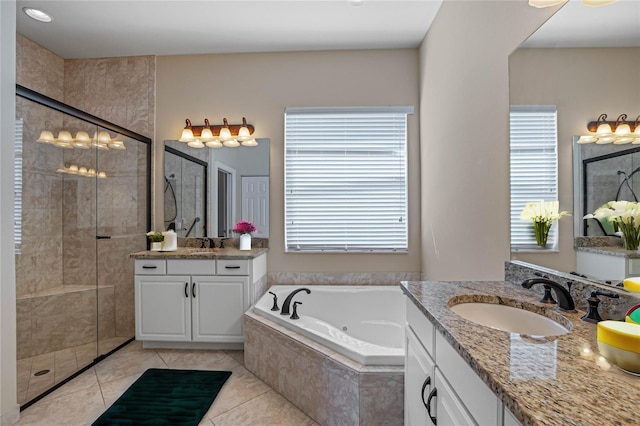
<point>192,303</point>
<point>440,387</point>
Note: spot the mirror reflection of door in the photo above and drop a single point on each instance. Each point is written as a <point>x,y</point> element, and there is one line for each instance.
<point>255,203</point>
<point>225,177</point>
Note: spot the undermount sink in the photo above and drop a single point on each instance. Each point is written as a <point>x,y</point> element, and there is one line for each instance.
<point>509,319</point>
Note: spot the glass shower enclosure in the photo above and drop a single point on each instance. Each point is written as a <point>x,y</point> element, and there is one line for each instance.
<point>82,205</point>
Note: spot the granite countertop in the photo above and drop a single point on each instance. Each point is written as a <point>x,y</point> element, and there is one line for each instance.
<point>611,251</point>
<point>230,253</point>
<point>543,383</point>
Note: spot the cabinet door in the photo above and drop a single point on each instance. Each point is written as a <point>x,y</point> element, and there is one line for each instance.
<point>163,308</point>
<point>218,304</point>
<point>418,382</point>
<point>449,409</point>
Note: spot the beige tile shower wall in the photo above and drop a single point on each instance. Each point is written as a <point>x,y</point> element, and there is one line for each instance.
<point>38,264</point>
<point>39,69</point>
<point>120,90</point>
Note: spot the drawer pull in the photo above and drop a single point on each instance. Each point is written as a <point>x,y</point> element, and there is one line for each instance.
<point>432,394</point>
<point>193,290</point>
<point>186,289</point>
<point>149,267</point>
<point>231,267</point>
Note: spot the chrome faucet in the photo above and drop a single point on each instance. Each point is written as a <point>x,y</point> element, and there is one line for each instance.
<point>287,302</point>
<point>565,301</point>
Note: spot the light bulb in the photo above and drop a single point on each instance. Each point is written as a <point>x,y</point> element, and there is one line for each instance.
<point>196,144</point>
<point>225,134</point>
<point>46,137</point>
<point>214,144</point>
<point>243,133</point>
<point>206,135</point>
<point>231,143</point>
<point>587,139</point>
<point>187,136</point>
<point>250,142</point>
<point>604,129</point>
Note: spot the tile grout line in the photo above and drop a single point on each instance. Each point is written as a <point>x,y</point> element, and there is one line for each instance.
<point>241,404</point>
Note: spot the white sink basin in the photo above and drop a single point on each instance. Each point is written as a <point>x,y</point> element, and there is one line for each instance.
<point>508,318</point>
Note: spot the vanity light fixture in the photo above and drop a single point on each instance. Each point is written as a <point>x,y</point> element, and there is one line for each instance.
<point>218,135</point>
<point>101,140</point>
<point>619,132</point>
<point>72,169</point>
<point>548,3</point>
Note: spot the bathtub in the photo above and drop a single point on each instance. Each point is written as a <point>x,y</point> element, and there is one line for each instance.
<point>363,323</point>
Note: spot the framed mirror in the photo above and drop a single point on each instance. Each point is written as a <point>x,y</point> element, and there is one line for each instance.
<point>585,61</point>
<point>219,186</point>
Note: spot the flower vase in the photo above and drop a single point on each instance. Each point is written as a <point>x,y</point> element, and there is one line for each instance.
<point>245,242</point>
<point>630,235</point>
<point>541,229</point>
<point>156,246</point>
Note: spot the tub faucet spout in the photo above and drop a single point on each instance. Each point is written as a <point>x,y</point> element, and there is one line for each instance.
<point>287,302</point>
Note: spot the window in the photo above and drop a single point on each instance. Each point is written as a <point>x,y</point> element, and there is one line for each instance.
<point>534,167</point>
<point>346,179</point>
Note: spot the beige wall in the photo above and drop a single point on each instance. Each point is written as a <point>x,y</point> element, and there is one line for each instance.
<point>259,87</point>
<point>583,83</point>
<point>464,146</point>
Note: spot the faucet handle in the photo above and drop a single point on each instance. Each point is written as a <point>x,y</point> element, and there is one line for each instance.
<point>592,314</point>
<point>294,315</point>
<point>275,302</point>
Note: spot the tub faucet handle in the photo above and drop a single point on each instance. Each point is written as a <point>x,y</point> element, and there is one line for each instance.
<point>275,302</point>
<point>294,315</point>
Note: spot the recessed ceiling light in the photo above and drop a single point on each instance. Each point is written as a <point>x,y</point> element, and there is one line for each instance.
<point>356,2</point>
<point>37,14</point>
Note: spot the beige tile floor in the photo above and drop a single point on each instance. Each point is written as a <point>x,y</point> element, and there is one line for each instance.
<point>244,399</point>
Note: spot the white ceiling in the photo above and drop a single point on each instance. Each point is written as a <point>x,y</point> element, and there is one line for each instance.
<point>101,28</point>
<point>576,25</point>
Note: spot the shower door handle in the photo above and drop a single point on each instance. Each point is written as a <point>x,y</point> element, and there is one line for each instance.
<point>103,237</point>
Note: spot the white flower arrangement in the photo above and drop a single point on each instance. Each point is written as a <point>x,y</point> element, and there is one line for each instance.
<point>542,214</point>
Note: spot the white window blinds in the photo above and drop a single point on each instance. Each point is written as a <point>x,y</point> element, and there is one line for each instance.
<point>534,167</point>
<point>346,179</point>
<point>17,185</point>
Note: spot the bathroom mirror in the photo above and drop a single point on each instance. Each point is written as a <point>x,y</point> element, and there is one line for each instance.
<point>236,187</point>
<point>586,62</point>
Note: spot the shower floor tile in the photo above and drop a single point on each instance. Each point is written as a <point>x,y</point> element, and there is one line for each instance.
<point>38,373</point>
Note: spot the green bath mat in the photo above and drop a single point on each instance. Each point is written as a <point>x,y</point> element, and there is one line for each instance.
<point>166,397</point>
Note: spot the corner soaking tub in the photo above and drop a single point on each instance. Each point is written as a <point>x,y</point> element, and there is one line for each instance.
<point>364,323</point>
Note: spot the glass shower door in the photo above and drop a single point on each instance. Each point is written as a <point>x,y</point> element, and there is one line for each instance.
<point>121,226</point>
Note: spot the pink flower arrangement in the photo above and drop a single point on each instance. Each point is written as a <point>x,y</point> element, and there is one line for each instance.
<point>244,227</point>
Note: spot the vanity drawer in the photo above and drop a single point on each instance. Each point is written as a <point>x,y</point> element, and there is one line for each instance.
<point>150,267</point>
<point>421,326</point>
<point>191,267</point>
<point>233,267</point>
